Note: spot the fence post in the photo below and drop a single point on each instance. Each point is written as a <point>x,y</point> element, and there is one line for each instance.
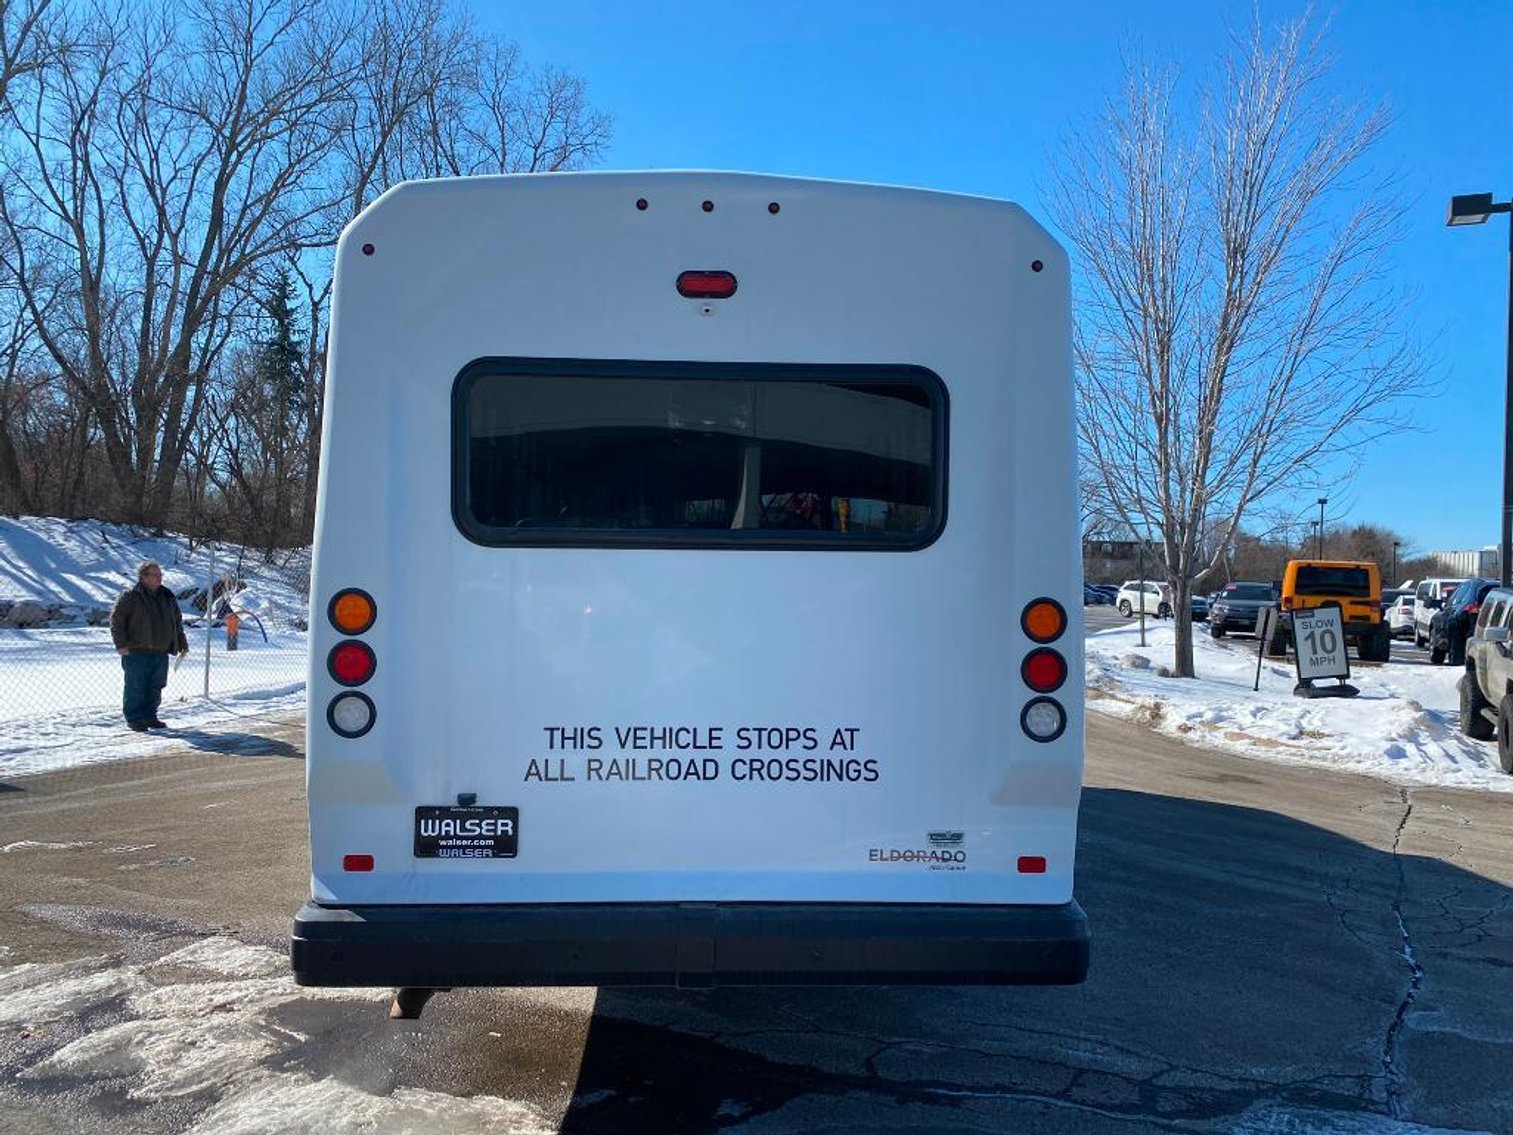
<point>209,618</point>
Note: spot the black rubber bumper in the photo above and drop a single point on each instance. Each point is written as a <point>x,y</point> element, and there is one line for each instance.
<point>693,945</point>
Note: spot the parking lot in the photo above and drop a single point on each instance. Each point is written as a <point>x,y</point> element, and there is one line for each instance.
<point>1276,949</point>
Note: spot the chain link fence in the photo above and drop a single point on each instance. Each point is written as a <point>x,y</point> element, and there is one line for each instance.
<point>61,679</point>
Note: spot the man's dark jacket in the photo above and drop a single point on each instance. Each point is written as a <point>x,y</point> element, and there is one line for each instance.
<point>148,622</point>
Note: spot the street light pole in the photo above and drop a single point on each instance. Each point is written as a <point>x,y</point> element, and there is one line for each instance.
<point>1322,502</point>
<point>1395,543</point>
<point>1474,209</point>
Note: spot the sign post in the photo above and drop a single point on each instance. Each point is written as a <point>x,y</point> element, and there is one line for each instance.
<point>1266,628</point>
<point>1318,643</point>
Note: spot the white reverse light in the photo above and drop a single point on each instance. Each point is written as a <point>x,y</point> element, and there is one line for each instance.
<point>350,714</point>
<point>1043,719</point>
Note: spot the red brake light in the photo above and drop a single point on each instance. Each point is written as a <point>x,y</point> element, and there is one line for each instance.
<point>351,662</point>
<point>1043,670</point>
<point>705,285</point>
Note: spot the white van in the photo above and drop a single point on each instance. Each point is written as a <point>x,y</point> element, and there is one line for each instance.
<point>691,590</point>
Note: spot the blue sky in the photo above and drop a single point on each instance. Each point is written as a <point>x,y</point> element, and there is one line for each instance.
<point>975,98</point>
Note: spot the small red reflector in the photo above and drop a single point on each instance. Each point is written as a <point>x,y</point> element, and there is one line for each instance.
<point>706,285</point>
<point>352,663</point>
<point>1044,670</point>
<point>365,863</point>
<point>1032,864</point>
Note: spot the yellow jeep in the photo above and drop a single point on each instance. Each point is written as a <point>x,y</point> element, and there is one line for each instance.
<point>1355,587</point>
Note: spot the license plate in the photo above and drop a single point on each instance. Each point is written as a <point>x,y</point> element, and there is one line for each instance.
<point>445,832</point>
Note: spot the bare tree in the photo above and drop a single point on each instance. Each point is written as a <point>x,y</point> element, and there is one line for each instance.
<point>1234,328</point>
<point>175,154</point>
<point>160,164</point>
<point>27,42</point>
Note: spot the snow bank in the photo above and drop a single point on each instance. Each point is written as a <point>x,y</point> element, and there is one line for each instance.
<point>1404,726</point>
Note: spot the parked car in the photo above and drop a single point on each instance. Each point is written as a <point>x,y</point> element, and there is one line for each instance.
<point>1095,596</point>
<point>1400,616</point>
<point>1428,597</point>
<point>1354,586</point>
<point>1486,705</point>
<point>1238,606</point>
<point>1109,589</point>
<point>1452,623</point>
<point>1157,598</point>
<point>1391,595</point>
<point>1200,608</point>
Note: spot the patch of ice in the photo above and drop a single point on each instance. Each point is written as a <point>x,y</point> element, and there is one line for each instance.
<point>43,845</point>
<point>295,1105</point>
<point>35,992</point>
<point>226,956</point>
<point>174,1056</point>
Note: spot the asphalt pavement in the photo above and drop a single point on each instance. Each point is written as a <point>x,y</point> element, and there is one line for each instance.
<point>1275,949</point>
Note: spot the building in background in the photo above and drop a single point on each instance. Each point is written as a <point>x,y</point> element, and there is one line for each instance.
<point>1478,562</point>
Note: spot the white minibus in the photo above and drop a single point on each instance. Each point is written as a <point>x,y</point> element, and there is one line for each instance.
<point>695,564</point>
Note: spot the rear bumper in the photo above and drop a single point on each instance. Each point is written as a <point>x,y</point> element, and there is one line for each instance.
<point>690,944</point>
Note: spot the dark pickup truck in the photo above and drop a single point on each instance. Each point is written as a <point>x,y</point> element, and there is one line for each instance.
<point>1237,607</point>
<point>1486,689</point>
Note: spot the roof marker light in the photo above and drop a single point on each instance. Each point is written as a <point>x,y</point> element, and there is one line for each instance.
<point>706,285</point>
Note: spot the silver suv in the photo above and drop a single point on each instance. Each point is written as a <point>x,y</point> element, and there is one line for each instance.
<point>1486,688</point>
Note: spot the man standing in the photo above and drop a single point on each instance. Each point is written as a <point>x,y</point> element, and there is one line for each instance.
<point>146,627</point>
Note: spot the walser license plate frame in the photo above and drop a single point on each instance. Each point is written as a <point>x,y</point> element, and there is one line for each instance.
<point>444,831</point>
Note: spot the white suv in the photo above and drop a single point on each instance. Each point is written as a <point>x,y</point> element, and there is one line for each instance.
<point>1429,597</point>
<point>1157,598</point>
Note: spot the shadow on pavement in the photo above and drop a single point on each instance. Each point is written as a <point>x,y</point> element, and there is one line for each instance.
<point>1248,970</point>
<point>236,744</point>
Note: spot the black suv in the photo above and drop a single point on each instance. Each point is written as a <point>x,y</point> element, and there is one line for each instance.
<point>1237,607</point>
<point>1452,624</point>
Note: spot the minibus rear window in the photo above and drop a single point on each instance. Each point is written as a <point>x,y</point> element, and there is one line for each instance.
<point>569,452</point>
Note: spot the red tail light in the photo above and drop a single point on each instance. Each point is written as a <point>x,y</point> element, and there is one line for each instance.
<point>357,863</point>
<point>1032,864</point>
<point>351,662</point>
<point>1043,670</point>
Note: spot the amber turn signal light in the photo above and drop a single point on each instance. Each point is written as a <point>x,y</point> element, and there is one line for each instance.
<point>1044,620</point>
<point>352,611</point>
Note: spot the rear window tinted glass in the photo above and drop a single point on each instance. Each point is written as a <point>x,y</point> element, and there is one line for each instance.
<point>552,452</point>
<point>1248,591</point>
<point>1348,581</point>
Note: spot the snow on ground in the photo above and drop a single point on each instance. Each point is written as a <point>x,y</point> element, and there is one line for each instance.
<point>1404,726</point>
<point>60,684</point>
<point>204,1019</point>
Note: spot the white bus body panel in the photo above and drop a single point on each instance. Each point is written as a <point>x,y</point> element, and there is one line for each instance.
<point>913,656</point>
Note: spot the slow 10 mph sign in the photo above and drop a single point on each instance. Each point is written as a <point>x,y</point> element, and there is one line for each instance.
<point>1319,642</point>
